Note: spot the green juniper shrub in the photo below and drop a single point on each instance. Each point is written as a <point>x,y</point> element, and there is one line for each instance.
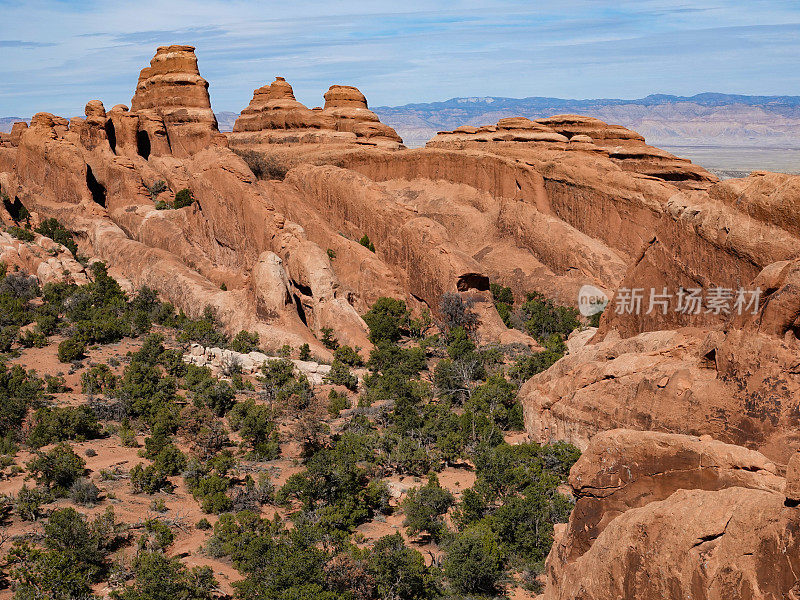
<point>8,335</point>
<point>515,496</point>
<point>334,488</point>
<point>21,234</point>
<point>57,469</point>
<point>367,243</point>
<point>56,384</point>
<point>544,318</point>
<point>209,484</point>
<point>183,198</point>
<point>348,356</point>
<point>501,293</point>
<point>29,501</point>
<point>399,571</point>
<point>149,480</point>
<point>205,330</point>
<point>71,349</point>
<point>282,388</point>
<point>157,577</point>
<point>53,229</point>
<point>474,561</point>
<point>99,379</point>
<point>337,402</point>
<point>19,389</point>
<point>305,352</point>
<point>244,342</point>
<point>340,375</point>
<point>72,556</point>
<point>157,536</point>
<point>424,508</point>
<point>33,338</point>
<point>58,424</point>
<point>255,424</point>
<point>387,319</point>
<point>170,460</point>
<point>328,340</point>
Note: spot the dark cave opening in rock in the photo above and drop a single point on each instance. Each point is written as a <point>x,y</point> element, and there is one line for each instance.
<point>143,144</point>
<point>111,134</point>
<point>97,190</point>
<point>15,208</point>
<point>472,281</point>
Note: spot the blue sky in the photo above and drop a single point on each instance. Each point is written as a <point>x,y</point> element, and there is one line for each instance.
<point>58,54</point>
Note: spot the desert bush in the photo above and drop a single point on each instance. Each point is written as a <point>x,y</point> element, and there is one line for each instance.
<point>340,375</point>
<point>387,318</point>
<point>183,198</point>
<point>244,342</point>
<point>29,501</point>
<point>21,233</point>
<point>155,188</point>
<point>424,508</point>
<point>84,492</point>
<point>53,229</point>
<point>59,424</point>
<point>71,349</point>
<point>544,318</point>
<point>57,469</point>
<point>348,356</point>
<point>367,243</point>
<point>148,480</point>
<point>337,402</point>
<point>457,312</point>
<point>264,166</point>
<point>474,561</point>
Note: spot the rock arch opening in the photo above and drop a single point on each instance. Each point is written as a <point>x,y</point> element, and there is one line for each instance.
<point>95,187</point>
<point>143,144</point>
<point>111,134</point>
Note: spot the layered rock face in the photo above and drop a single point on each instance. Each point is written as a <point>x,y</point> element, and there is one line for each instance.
<point>275,117</point>
<point>171,93</point>
<point>673,516</point>
<point>100,175</point>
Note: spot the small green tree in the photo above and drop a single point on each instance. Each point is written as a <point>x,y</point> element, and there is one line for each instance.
<point>474,561</point>
<point>71,349</point>
<point>365,241</point>
<point>424,508</point>
<point>57,469</point>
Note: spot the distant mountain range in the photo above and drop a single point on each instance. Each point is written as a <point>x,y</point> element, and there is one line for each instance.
<point>6,123</point>
<point>707,119</point>
<point>720,131</point>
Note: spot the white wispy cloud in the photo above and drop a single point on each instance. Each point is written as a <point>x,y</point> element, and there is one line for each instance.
<point>57,54</point>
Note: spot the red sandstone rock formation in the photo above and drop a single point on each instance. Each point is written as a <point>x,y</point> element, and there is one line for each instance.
<point>172,95</point>
<point>669,516</point>
<point>275,117</point>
